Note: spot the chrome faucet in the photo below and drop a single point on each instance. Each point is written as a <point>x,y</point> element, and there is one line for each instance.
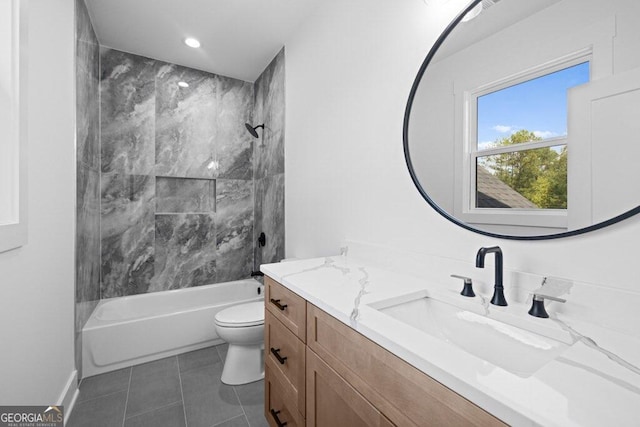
<point>498,288</point>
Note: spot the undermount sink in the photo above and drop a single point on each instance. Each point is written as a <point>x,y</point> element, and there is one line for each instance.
<point>510,347</point>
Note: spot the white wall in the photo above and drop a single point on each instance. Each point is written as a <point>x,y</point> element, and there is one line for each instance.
<point>36,281</point>
<point>349,70</point>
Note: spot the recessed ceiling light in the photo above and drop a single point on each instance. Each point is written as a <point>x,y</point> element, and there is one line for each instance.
<point>183,84</point>
<point>191,42</point>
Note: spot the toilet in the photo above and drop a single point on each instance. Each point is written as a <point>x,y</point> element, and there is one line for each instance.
<point>242,326</point>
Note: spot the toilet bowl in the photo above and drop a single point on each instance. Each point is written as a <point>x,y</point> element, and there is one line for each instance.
<point>242,326</point>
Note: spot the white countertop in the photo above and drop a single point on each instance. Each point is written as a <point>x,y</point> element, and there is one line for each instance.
<point>595,382</point>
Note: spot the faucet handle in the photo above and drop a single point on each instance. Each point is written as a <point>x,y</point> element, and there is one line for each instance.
<point>467,290</point>
<point>537,306</point>
<point>541,297</point>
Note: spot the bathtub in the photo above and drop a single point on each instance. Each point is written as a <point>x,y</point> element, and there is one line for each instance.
<point>129,330</point>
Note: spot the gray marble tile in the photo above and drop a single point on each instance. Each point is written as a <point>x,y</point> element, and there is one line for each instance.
<point>233,144</point>
<point>185,253</point>
<point>87,238</point>
<point>183,195</point>
<point>127,230</point>
<point>84,28</point>
<point>88,103</point>
<point>127,90</point>
<point>270,110</point>
<point>234,229</point>
<point>185,122</point>
<point>270,218</point>
<point>87,286</point>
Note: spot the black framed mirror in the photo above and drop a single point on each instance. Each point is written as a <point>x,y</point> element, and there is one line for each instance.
<point>522,121</point>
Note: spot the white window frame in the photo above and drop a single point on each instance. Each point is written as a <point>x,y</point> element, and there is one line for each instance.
<point>13,146</point>
<point>548,218</point>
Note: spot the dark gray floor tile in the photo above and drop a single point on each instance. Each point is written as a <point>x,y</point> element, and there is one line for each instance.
<point>168,416</point>
<point>255,416</point>
<point>206,400</point>
<point>150,368</point>
<point>105,411</point>
<point>198,359</point>
<point>154,385</point>
<point>104,384</point>
<point>252,399</point>
<point>240,421</point>
<point>251,394</point>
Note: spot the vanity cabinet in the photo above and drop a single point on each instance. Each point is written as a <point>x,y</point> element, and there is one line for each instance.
<point>335,376</point>
<point>332,401</point>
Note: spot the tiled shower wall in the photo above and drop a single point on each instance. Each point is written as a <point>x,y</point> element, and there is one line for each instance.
<point>269,161</point>
<point>169,220</point>
<point>87,286</point>
<point>152,214</point>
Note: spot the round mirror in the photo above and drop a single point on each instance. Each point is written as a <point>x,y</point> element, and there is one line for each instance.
<point>523,121</point>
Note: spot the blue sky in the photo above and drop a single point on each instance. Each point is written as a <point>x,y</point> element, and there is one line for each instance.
<point>537,105</point>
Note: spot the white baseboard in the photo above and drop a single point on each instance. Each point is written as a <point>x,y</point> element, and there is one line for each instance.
<point>69,395</point>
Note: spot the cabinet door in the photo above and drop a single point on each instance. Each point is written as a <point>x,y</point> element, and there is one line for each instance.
<point>332,402</point>
<point>286,352</point>
<point>280,405</point>
<point>287,307</point>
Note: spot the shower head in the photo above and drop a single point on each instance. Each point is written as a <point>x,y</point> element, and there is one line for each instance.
<point>252,129</point>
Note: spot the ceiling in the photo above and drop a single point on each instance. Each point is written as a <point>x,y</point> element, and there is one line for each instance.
<point>238,37</point>
<point>501,15</point>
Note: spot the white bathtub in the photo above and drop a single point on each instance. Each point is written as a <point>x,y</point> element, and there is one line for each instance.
<point>129,330</point>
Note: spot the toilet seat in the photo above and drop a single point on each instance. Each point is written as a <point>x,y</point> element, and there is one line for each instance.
<point>241,315</point>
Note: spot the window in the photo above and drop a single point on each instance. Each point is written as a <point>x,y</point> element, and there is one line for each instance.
<point>12,127</point>
<point>518,140</point>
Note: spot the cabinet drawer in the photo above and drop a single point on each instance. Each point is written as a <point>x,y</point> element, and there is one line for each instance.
<point>279,401</point>
<point>334,402</point>
<point>286,306</point>
<point>403,393</point>
<point>286,352</point>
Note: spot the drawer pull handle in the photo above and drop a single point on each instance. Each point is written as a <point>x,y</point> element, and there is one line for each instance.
<point>276,302</point>
<point>279,423</point>
<point>276,353</point>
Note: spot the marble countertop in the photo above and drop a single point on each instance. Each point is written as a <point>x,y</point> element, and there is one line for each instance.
<point>594,382</point>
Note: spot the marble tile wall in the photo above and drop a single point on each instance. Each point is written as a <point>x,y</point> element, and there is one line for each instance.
<point>185,251</point>
<point>234,229</point>
<point>128,233</point>
<point>87,286</point>
<point>169,219</point>
<point>179,195</point>
<point>269,160</point>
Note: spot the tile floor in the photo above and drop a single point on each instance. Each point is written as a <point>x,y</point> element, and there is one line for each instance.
<point>183,390</point>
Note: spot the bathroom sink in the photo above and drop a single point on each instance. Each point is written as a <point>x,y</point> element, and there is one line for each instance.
<point>513,348</point>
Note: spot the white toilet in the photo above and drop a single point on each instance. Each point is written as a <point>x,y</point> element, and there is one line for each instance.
<point>242,326</point>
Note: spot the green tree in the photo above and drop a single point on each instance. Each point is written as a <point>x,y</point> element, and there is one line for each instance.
<point>540,174</point>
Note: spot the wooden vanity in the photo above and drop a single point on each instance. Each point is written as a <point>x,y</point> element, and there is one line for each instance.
<point>320,372</point>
